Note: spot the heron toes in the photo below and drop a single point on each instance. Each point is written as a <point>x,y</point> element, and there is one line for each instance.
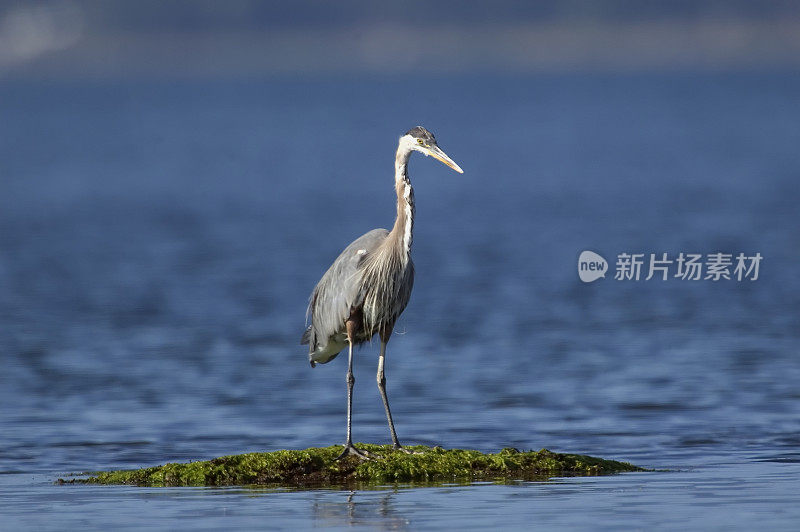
<point>406,451</point>
<point>352,450</point>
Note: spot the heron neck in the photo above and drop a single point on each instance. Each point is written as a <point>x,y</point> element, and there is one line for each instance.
<point>403,229</point>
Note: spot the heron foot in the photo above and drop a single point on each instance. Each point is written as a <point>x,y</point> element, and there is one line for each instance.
<point>352,450</point>
<point>398,447</point>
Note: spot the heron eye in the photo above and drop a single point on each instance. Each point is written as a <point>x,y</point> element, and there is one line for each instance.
<point>420,142</point>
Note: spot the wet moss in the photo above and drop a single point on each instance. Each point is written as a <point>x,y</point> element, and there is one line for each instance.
<point>318,467</point>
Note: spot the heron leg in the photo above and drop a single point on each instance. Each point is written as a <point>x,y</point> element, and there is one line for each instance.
<point>381,377</point>
<point>349,448</point>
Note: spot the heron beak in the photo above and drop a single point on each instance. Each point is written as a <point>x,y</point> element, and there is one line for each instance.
<point>436,152</point>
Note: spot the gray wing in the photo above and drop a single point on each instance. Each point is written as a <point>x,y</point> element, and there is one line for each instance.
<point>339,289</point>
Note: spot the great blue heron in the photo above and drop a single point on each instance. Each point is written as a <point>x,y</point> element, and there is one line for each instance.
<point>369,284</point>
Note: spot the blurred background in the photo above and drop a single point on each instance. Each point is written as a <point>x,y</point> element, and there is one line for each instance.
<point>179,39</point>
<point>176,176</point>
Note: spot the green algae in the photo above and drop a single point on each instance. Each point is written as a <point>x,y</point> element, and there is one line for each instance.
<point>317,467</point>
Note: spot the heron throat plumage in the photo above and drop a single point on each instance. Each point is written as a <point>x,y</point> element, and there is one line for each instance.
<point>404,223</point>
<point>389,271</point>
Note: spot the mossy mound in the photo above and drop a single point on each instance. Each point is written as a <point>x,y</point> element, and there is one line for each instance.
<point>318,467</point>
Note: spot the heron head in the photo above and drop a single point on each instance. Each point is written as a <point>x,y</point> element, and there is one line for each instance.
<point>421,140</point>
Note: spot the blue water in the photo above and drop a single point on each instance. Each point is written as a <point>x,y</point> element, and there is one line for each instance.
<point>158,242</point>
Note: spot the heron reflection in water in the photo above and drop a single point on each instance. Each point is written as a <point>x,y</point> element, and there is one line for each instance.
<point>368,286</point>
